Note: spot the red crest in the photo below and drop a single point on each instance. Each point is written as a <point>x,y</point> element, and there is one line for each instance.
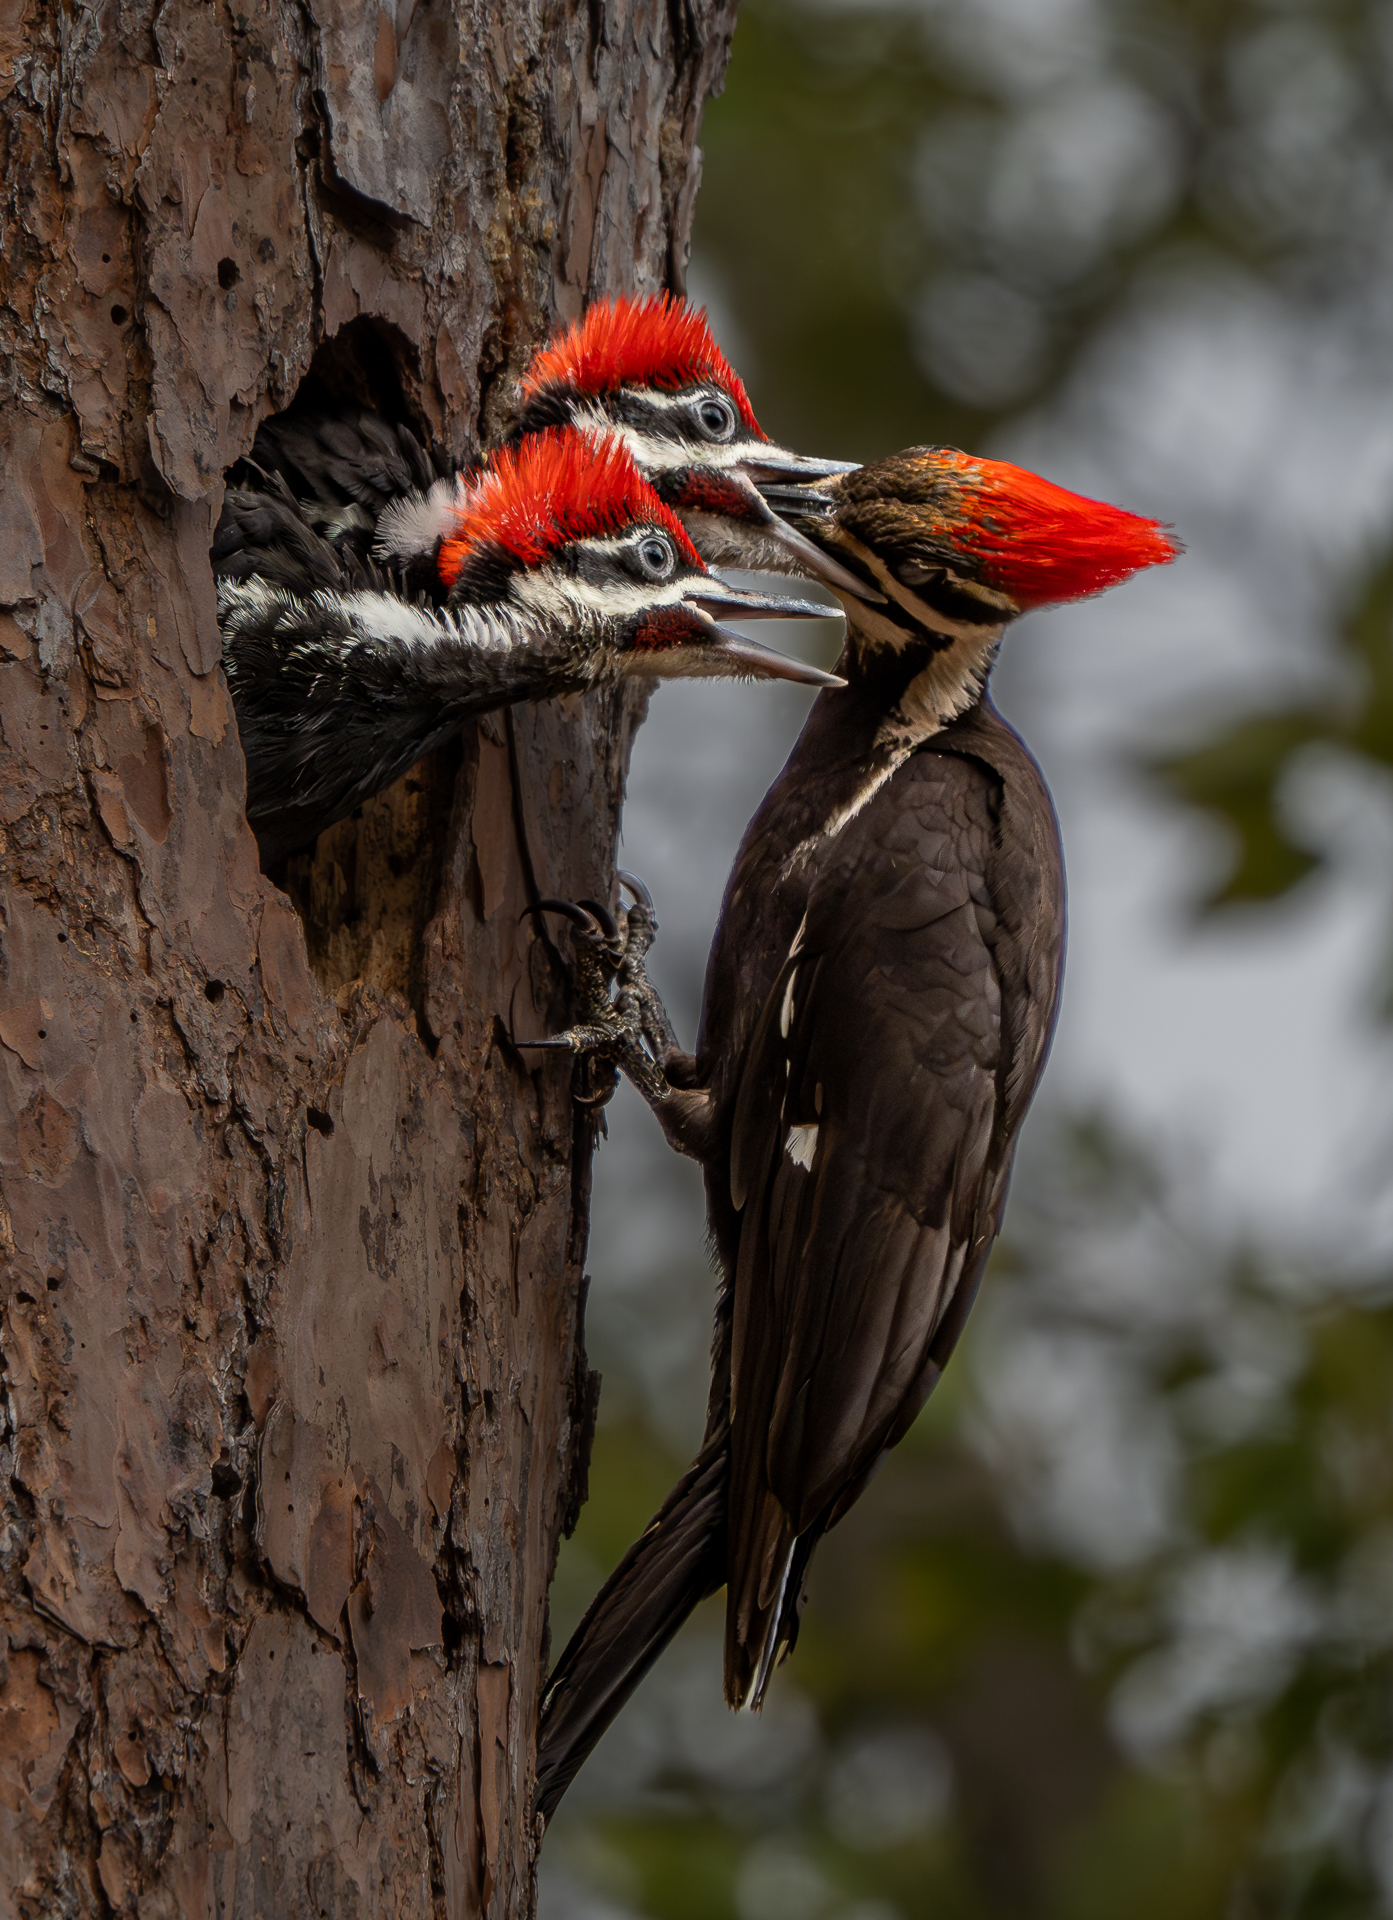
<point>1040,543</point>
<point>553,488</point>
<point>651,342</point>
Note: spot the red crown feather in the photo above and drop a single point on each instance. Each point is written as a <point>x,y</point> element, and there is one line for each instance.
<point>656,341</point>
<point>1040,543</point>
<point>550,489</point>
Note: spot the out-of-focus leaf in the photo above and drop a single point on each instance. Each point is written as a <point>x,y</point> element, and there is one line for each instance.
<point>1236,778</point>
<point>1237,775</point>
<point>1369,639</point>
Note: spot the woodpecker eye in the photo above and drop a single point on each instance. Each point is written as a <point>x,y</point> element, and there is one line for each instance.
<point>656,557</point>
<point>717,418</point>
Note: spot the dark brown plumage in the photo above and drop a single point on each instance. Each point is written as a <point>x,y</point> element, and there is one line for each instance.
<point>918,1010</point>
<point>879,1003</point>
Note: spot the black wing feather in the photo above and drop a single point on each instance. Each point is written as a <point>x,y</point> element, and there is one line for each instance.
<point>894,1030</point>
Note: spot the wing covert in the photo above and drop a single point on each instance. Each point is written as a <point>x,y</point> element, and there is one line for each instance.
<point>863,1138</point>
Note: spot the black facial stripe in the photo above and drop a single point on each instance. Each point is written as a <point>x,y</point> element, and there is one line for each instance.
<point>889,531</point>
<point>484,577</point>
<point>600,569</point>
<point>558,406</point>
<point>884,673</point>
<point>583,563</point>
<point>655,423</point>
<point>552,407</point>
<point>953,600</point>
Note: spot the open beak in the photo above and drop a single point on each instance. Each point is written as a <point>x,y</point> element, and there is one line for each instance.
<point>786,496</point>
<point>812,560</point>
<point>806,556</point>
<point>714,596</point>
<point>743,656</point>
<point>748,656</point>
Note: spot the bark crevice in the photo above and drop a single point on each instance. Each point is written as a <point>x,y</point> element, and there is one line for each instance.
<point>274,1179</point>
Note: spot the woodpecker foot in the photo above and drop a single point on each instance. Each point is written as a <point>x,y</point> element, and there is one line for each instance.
<point>637,995</point>
<point>622,1023</point>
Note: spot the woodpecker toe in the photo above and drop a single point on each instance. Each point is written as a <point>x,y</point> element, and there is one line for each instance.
<point>579,915</point>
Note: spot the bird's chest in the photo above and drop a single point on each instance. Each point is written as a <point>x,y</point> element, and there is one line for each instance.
<point>863,871</point>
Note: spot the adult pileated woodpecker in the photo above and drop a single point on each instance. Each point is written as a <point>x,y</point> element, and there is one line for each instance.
<point>879,1001</point>
<point>563,570</point>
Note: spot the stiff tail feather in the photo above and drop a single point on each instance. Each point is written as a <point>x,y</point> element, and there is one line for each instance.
<point>676,1563</point>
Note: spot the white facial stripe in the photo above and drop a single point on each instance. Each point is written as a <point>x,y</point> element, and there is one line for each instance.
<point>626,542</point>
<point>885,631</point>
<point>563,597</point>
<point>662,402</point>
<point>651,452</point>
<point>246,604</point>
<point>946,687</point>
<point>684,399</point>
<point>386,617</point>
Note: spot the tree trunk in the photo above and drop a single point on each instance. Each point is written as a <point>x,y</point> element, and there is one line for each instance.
<point>297,1404</point>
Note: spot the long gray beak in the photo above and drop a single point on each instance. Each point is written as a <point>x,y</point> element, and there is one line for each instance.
<point>812,560</point>
<point>714,596</point>
<point>771,463</point>
<point>766,664</point>
<point>808,502</point>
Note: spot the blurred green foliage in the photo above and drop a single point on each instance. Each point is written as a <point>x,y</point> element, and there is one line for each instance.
<point>923,213</point>
<point>1239,775</point>
<point>1121,1643</point>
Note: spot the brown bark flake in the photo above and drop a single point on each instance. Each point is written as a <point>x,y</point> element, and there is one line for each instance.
<point>291,1233</point>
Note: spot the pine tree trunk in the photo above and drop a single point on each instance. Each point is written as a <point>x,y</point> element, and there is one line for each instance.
<point>296,1397</point>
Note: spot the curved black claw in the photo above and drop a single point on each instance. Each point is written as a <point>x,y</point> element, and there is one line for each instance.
<point>608,1032</point>
<point>602,916</point>
<point>573,911</point>
<point>632,884</point>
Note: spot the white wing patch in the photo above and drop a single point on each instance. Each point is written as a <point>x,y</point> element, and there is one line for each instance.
<point>786,1008</point>
<point>801,1145</point>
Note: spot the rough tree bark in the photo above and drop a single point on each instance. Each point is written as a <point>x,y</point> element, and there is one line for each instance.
<point>296,1400</point>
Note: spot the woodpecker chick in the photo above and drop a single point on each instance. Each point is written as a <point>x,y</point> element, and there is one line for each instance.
<point>650,371</point>
<point>562,571</point>
<point>879,1002</point>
